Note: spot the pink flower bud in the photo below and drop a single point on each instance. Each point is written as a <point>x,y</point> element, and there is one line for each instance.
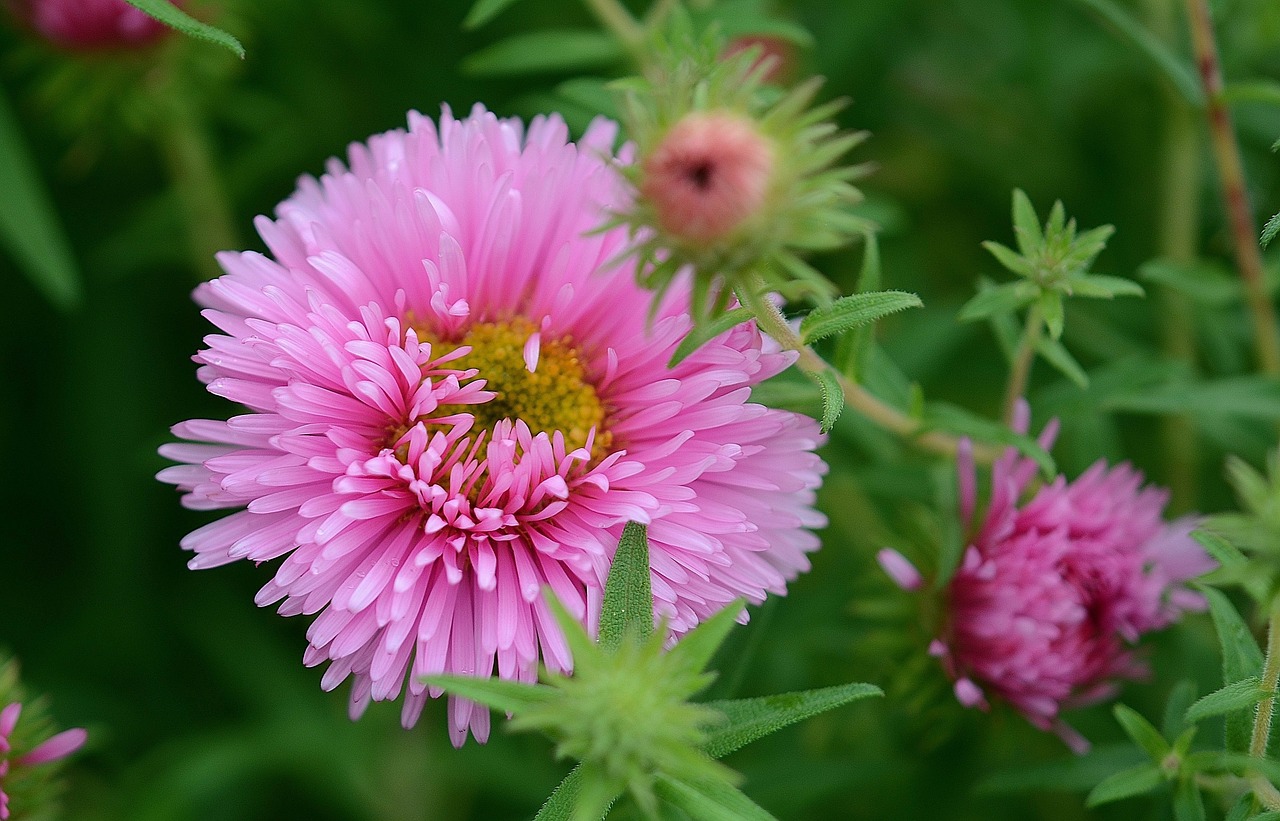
<point>89,25</point>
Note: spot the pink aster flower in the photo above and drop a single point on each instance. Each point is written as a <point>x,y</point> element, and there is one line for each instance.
<point>59,746</point>
<point>454,401</point>
<point>1052,594</point>
<point>80,25</point>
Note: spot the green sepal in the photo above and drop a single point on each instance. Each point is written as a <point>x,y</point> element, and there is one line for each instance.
<point>1143,732</point>
<point>753,718</point>
<point>854,311</point>
<point>496,693</point>
<point>545,51</point>
<point>1235,696</point>
<point>175,18</point>
<point>1125,784</point>
<point>628,592</point>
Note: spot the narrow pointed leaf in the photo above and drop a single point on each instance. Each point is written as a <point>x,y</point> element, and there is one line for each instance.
<point>953,419</point>
<point>753,718</point>
<point>560,804</point>
<point>696,647</point>
<point>1056,354</point>
<point>545,51</point>
<point>1126,784</point>
<point>482,11</point>
<point>1235,696</point>
<point>704,332</point>
<point>1175,70</point>
<point>1224,552</point>
<point>1270,230</point>
<point>832,398</point>
<point>1026,225</point>
<point>1000,299</point>
<point>708,800</point>
<point>1009,259</point>
<point>1051,309</point>
<point>1102,286</point>
<point>1187,802</point>
<point>29,226</point>
<point>1174,722</point>
<point>628,595</point>
<point>1143,732</point>
<point>172,16</point>
<point>1241,659</point>
<point>498,693</point>
<point>854,311</point>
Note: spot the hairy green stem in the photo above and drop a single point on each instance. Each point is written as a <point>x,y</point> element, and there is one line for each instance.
<point>1235,197</point>
<point>189,155</point>
<point>1023,359</point>
<point>619,21</point>
<point>1263,789</point>
<point>773,323</point>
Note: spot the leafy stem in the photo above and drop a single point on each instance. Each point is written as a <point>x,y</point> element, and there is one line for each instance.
<point>1262,787</point>
<point>1235,197</point>
<point>1023,359</point>
<point>770,319</point>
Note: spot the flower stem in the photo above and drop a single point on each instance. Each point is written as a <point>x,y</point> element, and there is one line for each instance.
<point>1023,359</point>
<point>619,21</point>
<point>773,323</point>
<point>1226,152</point>
<point>1263,789</point>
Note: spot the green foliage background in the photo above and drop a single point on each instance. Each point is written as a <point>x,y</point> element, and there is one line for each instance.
<point>197,704</point>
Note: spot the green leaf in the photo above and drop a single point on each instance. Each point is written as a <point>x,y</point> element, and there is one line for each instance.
<point>1273,815</point>
<point>958,421</point>
<point>545,51</point>
<point>498,693</point>
<point>1026,225</point>
<point>704,332</point>
<point>709,800</point>
<point>854,311</point>
<point>1056,354</point>
<point>1252,91</point>
<point>1224,552</point>
<point>1241,658</point>
<point>1251,487</point>
<point>753,718</point>
<point>1175,709</point>
<point>1204,281</point>
<point>1101,286</point>
<point>560,804</point>
<point>628,594</point>
<point>29,225</point>
<point>1270,230</point>
<point>1235,696</point>
<point>999,299</point>
<point>855,348</point>
<point>172,16</point>
<point>1177,72</point>
<point>1009,258</point>
<point>695,648</point>
<point>483,11</point>
<point>1143,732</point>
<point>832,397</point>
<point>1187,803</point>
<point>1051,310</point>
<point>1126,784</point>
<point>1077,773</point>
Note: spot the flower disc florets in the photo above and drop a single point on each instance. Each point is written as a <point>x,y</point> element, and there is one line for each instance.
<point>454,400</point>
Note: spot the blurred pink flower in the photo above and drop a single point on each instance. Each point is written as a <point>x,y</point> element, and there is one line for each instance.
<point>456,401</point>
<point>59,746</point>
<point>1051,595</point>
<point>80,25</point>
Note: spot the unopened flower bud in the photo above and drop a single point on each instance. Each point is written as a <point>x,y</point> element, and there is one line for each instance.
<point>89,25</point>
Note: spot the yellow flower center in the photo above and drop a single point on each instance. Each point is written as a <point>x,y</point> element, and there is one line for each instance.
<point>556,396</point>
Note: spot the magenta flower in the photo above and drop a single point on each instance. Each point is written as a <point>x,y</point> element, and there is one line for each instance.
<point>81,25</point>
<point>59,746</point>
<point>1051,596</point>
<point>456,401</point>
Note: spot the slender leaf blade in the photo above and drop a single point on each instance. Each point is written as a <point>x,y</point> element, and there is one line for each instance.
<point>1143,732</point>
<point>832,398</point>
<point>1000,299</point>
<point>628,593</point>
<point>545,51</point>
<point>710,800</point>
<point>497,693</point>
<point>753,718</point>
<point>706,331</point>
<point>1241,659</point>
<point>696,647</point>
<point>482,11</point>
<point>1235,696</point>
<point>855,311</point>
<point>1126,784</point>
<point>1178,73</point>
<point>176,18</point>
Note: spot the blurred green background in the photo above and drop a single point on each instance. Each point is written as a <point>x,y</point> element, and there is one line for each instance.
<point>197,703</point>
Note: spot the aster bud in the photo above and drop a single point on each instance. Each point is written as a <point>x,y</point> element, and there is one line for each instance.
<point>27,747</point>
<point>89,25</point>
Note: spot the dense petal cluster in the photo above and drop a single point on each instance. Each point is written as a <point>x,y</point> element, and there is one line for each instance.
<point>455,401</point>
<point>1052,594</point>
<point>52,749</point>
<point>89,24</point>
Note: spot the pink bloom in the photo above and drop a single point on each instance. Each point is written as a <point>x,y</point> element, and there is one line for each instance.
<point>455,401</point>
<point>80,25</point>
<point>1052,594</point>
<point>708,175</point>
<point>59,746</point>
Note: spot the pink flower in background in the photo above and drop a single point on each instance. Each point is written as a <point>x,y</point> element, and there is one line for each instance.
<point>89,24</point>
<point>59,746</point>
<point>1051,595</point>
<point>455,401</point>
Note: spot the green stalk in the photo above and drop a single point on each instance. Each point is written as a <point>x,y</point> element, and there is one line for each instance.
<point>773,323</point>
<point>1234,194</point>
<point>1263,789</point>
<point>1023,359</point>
